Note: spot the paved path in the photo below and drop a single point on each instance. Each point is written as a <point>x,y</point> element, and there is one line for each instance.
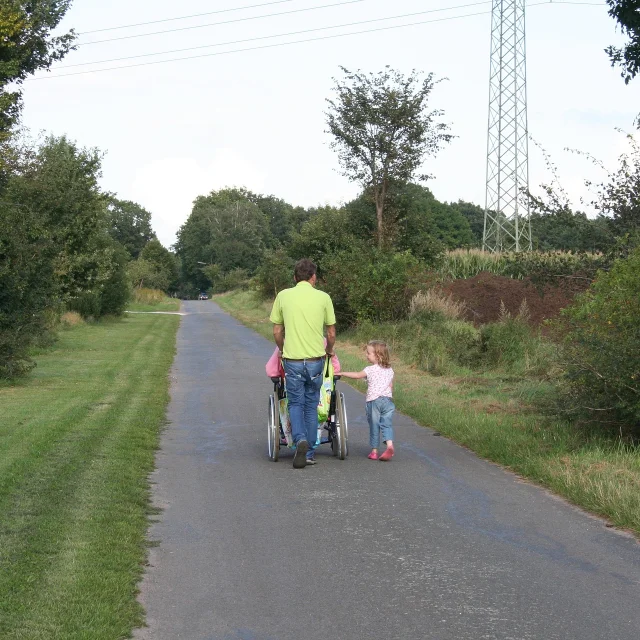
<point>436,544</point>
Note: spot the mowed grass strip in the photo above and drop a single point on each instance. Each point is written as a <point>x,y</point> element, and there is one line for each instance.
<point>494,415</point>
<point>78,440</point>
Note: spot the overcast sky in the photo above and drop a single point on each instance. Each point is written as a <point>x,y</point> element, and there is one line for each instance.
<point>255,118</point>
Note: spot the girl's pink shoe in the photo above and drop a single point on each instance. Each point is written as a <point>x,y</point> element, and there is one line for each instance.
<point>373,455</point>
<point>387,455</point>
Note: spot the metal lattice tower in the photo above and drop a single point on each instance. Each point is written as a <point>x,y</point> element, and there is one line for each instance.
<point>507,225</point>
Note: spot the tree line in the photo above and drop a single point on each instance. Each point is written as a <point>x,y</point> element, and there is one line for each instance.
<point>65,245</point>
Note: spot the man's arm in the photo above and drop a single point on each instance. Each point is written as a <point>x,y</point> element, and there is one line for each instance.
<point>278,335</point>
<point>331,338</point>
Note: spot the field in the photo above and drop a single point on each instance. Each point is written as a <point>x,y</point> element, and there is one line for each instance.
<point>78,439</point>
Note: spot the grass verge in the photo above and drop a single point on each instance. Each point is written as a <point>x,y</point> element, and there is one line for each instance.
<point>78,439</point>
<point>494,415</point>
<point>167,304</point>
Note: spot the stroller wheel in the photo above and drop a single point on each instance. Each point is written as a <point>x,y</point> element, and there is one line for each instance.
<point>340,441</point>
<point>273,431</point>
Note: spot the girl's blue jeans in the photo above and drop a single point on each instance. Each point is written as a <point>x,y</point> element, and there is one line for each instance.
<point>380,418</point>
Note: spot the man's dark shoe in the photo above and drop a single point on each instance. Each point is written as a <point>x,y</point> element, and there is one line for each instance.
<point>311,461</point>
<point>300,456</point>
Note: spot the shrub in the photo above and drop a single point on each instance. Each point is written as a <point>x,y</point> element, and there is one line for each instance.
<point>86,303</point>
<point>601,340</point>
<point>429,352</point>
<point>512,344</point>
<point>462,340</point>
<point>372,284</point>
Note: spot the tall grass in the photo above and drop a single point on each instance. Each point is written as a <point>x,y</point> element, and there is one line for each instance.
<point>431,303</point>
<point>467,263</point>
<point>148,296</point>
<point>152,300</point>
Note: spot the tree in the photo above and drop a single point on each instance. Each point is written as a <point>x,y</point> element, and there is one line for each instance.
<point>143,273</point>
<point>475,217</point>
<point>327,232</point>
<point>26,45</point>
<point>60,182</point>
<point>627,14</point>
<point>382,131</point>
<point>414,221</point>
<point>225,228</point>
<point>619,197</point>
<point>163,264</point>
<point>130,225</point>
<point>28,286</point>
<point>284,219</point>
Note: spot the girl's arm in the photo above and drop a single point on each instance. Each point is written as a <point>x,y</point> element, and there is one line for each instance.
<point>353,374</point>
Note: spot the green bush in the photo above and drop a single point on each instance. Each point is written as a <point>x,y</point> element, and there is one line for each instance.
<point>513,345</point>
<point>86,303</point>
<point>601,332</point>
<point>372,284</point>
<point>462,340</point>
<point>429,352</point>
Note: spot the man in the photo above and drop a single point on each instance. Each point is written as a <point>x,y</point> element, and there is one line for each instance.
<point>303,312</point>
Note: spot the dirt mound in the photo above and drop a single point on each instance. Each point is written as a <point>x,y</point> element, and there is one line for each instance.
<point>483,293</point>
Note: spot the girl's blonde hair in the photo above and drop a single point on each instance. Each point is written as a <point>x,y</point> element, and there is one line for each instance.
<point>381,352</point>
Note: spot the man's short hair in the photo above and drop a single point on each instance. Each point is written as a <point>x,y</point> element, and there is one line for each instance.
<point>304,270</point>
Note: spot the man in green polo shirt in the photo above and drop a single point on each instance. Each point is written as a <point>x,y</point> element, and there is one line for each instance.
<point>302,313</point>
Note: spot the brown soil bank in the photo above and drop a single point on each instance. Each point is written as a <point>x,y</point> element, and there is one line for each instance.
<point>483,293</point>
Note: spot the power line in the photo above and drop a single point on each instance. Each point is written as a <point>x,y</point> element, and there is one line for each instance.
<point>195,15</point>
<point>278,35</point>
<point>213,24</point>
<point>282,44</point>
<point>255,6</point>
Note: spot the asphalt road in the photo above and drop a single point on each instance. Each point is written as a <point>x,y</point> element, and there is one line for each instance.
<point>435,544</point>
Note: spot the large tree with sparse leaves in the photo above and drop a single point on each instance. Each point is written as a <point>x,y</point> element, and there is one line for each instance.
<point>382,130</point>
<point>27,45</point>
<point>627,15</point>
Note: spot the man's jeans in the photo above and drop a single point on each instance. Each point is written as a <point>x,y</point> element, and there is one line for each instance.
<point>303,381</point>
<point>380,418</point>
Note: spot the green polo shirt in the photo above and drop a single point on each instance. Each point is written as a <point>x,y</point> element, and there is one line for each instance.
<point>304,311</point>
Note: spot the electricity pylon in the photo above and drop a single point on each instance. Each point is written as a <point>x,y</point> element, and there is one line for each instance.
<point>507,224</point>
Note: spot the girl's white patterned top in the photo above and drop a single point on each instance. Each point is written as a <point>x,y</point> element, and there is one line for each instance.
<point>378,381</point>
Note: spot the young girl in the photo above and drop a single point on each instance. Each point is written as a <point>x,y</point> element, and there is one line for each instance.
<point>379,405</point>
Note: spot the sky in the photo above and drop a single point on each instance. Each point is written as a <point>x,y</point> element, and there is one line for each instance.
<point>252,114</point>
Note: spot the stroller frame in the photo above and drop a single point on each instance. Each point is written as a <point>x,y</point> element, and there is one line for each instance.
<point>336,425</point>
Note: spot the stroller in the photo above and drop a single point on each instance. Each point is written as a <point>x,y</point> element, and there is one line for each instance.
<point>332,416</point>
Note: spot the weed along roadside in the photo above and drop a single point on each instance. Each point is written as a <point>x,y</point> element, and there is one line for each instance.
<point>78,439</point>
<point>496,411</point>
